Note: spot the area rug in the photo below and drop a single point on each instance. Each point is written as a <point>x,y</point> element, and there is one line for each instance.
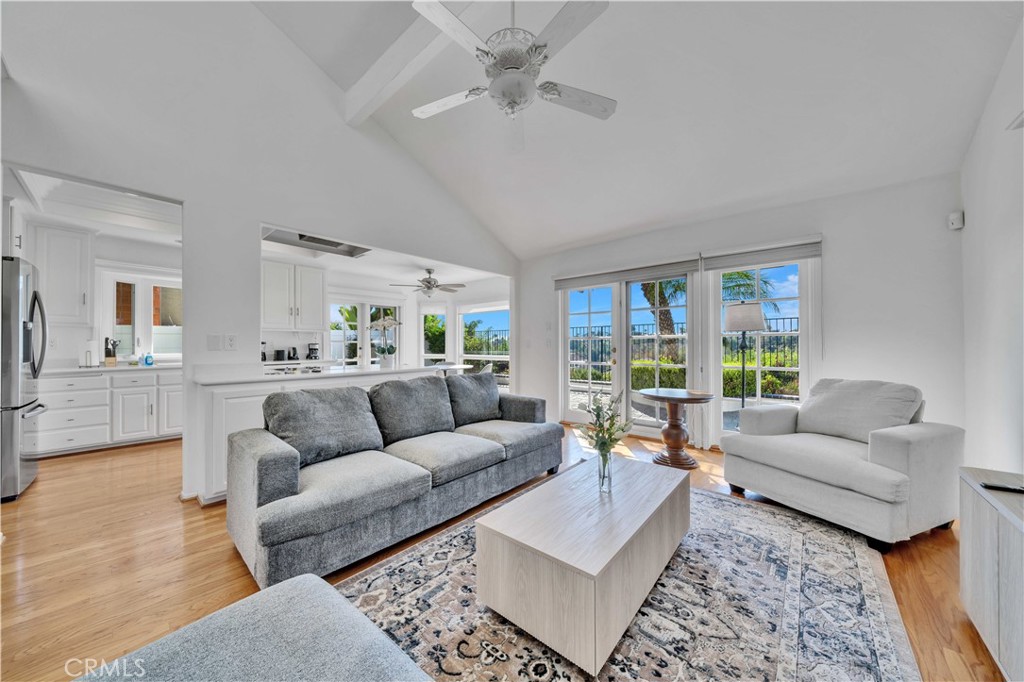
<point>754,592</point>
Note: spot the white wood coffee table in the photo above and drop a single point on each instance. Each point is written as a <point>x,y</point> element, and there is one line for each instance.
<point>572,566</point>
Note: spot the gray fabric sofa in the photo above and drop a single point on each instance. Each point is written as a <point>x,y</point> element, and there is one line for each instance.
<point>338,474</point>
<point>301,629</point>
<point>856,453</point>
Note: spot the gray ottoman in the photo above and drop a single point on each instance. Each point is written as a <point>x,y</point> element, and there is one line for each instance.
<point>300,629</point>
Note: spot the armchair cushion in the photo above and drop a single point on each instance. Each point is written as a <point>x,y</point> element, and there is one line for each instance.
<point>323,423</point>
<point>406,409</point>
<point>838,462</point>
<point>339,491</point>
<point>474,397</point>
<point>853,409</point>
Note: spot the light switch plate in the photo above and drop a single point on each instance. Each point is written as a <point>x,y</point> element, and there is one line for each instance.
<point>214,342</point>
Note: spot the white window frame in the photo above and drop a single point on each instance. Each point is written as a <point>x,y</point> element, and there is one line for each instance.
<point>426,358</point>
<point>144,278</point>
<point>364,300</point>
<point>469,309</point>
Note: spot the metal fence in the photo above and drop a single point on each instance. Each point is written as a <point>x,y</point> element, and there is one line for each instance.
<point>486,342</point>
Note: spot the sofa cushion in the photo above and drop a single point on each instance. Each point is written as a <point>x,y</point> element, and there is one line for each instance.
<point>474,397</point>
<point>839,462</point>
<point>339,491</point>
<point>406,409</point>
<point>853,409</point>
<point>323,423</point>
<point>447,456</point>
<point>267,637</point>
<point>518,438</point>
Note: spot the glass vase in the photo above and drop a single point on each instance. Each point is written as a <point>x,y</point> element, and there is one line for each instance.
<point>604,472</point>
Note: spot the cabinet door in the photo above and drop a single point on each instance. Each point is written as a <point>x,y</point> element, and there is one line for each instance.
<point>277,295</point>
<point>310,288</point>
<point>65,274</point>
<point>134,414</point>
<point>979,554</point>
<point>171,410</point>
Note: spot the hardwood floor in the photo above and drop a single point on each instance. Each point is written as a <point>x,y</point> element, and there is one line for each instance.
<point>101,557</point>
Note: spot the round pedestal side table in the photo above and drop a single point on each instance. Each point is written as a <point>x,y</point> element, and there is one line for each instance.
<point>674,433</point>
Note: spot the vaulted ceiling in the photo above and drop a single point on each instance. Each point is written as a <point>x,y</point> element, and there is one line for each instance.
<point>722,107</point>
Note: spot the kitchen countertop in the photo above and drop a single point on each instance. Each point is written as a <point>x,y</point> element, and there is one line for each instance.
<point>213,375</point>
<point>67,371</point>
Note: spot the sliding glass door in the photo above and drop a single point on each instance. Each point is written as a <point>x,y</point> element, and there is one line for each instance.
<point>592,349</point>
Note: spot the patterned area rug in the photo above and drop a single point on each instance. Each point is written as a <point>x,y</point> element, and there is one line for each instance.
<point>754,592</point>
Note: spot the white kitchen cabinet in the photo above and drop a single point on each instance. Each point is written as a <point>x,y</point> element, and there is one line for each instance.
<point>65,274</point>
<point>171,419</point>
<point>277,300</point>
<point>310,288</point>
<point>134,413</point>
<point>293,297</point>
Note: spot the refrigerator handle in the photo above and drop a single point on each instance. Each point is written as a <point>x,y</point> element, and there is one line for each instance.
<point>35,411</point>
<point>37,363</point>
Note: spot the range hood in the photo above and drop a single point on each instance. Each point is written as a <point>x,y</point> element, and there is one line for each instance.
<point>312,242</point>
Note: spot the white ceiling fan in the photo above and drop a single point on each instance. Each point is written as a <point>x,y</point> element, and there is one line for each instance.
<point>512,59</point>
<point>428,285</point>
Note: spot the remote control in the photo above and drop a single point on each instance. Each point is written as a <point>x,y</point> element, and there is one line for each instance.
<point>1004,488</point>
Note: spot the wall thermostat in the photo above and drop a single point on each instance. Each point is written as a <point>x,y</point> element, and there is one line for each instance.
<point>956,220</point>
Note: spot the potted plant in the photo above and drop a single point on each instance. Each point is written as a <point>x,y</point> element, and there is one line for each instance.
<point>385,350</point>
<point>603,433</point>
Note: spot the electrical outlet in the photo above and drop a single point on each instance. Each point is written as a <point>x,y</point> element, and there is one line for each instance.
<point>53,342</point>
<point>231,342</point>
<point>214,342</point>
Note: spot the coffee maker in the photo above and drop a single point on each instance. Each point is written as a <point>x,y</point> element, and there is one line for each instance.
<point>314,352</point>
<point>263,351</point>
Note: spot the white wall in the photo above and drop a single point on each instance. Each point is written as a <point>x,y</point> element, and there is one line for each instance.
<point>992,183</point>
<point>891,286</point>
<point>210,104</point>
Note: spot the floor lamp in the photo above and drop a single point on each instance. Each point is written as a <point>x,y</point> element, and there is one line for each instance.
<point>744,317</point>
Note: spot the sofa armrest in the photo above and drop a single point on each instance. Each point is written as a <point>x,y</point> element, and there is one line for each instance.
<point>521,408</point>
<point>261,467</point>
<point>768,420</point>
<point>930,455</point>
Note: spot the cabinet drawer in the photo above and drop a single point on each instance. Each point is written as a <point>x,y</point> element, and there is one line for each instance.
<point>169,379</point>
<point>133,380</point>
<point>65,439</point>
<point>71,383</point>
<point>75,399</point>
<point>69,419</point>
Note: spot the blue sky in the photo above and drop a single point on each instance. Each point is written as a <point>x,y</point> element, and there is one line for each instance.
<point>495,319</point>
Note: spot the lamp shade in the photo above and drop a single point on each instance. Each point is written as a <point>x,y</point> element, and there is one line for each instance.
<point>744,317</point>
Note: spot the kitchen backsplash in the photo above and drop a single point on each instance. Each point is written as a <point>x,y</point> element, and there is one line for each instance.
<point>283,340</point>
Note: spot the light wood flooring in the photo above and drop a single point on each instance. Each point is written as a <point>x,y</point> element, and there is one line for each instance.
<point>100,558</point>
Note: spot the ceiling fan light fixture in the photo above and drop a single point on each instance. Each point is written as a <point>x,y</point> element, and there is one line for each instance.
<point>512,91</point>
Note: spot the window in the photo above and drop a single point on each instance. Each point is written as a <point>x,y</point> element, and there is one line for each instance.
<point>485,341</point>
<point>380,338</point>
<point>168,314</point>
<point>590,348</point>
<point>657,342</point>
<point>124,318</point>
<point>142,313</point>
<point>773,356</point>
<point>344,333</point>
<point>434,330</point>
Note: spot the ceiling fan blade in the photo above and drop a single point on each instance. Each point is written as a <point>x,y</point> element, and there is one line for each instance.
<point>448,290</point>
<point>449,102</point>
<point>404,285</point>
<point>452,26</point>
<point>567,24</point>
<point>451,286</point>
<point>579,100</point>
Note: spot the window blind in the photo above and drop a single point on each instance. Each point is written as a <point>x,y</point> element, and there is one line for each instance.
<point>808,247</point>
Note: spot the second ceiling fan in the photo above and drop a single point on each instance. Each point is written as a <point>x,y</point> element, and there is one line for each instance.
<point>512,59</point>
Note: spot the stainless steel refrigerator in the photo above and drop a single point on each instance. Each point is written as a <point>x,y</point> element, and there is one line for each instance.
<point>23,348</point>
